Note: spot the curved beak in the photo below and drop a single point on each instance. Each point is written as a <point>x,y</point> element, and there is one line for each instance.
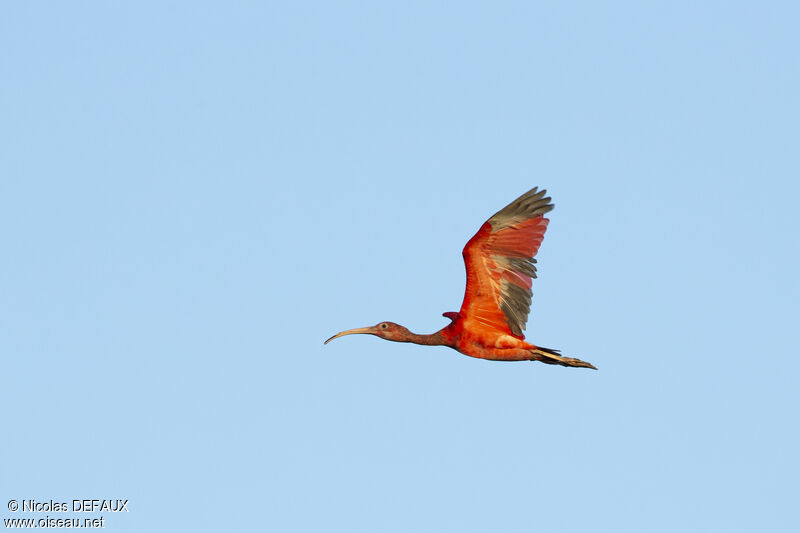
<point>350,332</point>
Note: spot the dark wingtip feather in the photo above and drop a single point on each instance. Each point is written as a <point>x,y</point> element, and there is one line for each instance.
<point>532,204</point>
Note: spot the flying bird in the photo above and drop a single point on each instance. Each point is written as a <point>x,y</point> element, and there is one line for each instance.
<point>500,266</point>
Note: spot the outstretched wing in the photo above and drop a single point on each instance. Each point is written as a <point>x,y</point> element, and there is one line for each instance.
<point>500,264</point>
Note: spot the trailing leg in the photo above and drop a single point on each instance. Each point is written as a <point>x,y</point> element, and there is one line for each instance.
<point>552,357</point>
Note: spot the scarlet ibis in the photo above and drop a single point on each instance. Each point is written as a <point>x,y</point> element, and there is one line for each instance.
<point>500,264</point>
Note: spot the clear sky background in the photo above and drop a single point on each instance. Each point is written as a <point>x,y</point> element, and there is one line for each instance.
<point>194,195</point>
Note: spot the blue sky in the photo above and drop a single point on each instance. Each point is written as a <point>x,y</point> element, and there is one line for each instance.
<point>194,195</point>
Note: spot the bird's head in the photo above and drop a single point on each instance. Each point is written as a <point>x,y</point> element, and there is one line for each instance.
<point>386,330</point>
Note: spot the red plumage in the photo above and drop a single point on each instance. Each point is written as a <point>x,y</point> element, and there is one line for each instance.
<point>500,265</point>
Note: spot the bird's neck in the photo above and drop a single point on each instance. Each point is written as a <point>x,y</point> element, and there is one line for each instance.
<point>434,339</point>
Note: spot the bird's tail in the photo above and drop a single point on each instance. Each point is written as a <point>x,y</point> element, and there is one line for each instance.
<point>554,357</point>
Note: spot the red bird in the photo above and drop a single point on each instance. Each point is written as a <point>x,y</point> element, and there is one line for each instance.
<point>500,264</point>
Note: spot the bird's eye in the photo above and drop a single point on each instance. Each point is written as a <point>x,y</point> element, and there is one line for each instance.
<point>384,325</point>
